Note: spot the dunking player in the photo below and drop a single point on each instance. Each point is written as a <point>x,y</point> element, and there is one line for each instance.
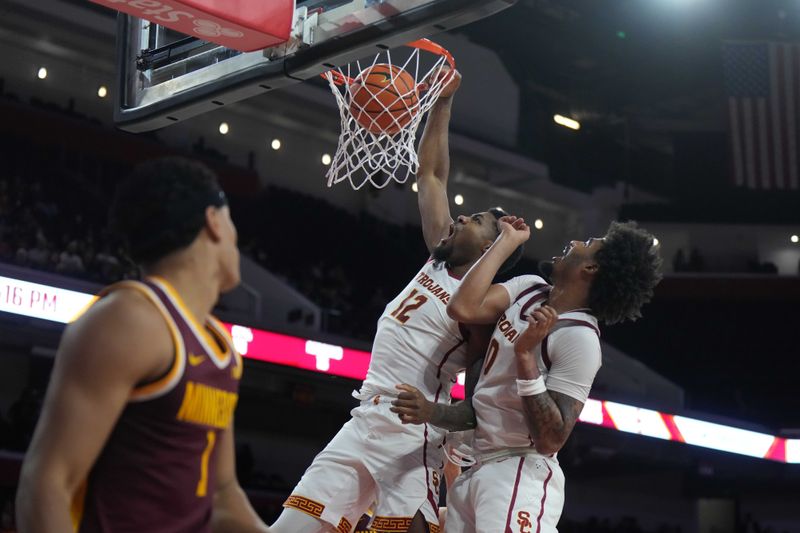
<point>137,429</point>
<point>538,370</point>
<point>374,457</point>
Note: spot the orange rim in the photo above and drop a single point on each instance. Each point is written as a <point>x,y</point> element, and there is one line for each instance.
<point>422,44</point>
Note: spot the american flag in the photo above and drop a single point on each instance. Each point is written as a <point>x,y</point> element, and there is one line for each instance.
<point>762,81</point>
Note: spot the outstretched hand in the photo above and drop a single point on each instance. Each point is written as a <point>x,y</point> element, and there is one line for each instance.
<point>539,325</point>
<point>515,228</point>
<point>411,406</point>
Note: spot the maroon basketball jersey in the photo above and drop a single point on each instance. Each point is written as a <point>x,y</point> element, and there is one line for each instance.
<point>156,473</point>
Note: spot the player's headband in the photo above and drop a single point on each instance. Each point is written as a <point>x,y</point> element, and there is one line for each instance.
<point>218,199</point>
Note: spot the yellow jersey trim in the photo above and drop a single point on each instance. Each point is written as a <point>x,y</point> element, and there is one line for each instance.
<point>77,506</point>
<point>223,332</point>
<point>220,358</point>
<point>166,383</point>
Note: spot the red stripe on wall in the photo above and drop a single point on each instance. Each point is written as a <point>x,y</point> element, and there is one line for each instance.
<point>674,433</point>
<point>777,452</point>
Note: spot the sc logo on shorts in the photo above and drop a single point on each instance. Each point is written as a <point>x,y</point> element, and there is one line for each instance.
<point>524,521</point>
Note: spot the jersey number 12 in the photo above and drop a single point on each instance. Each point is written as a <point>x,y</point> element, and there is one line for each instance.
<point>411,302</point>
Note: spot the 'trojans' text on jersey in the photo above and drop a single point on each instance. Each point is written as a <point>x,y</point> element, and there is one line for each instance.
<point>505,327</point>
<point>433,287</point>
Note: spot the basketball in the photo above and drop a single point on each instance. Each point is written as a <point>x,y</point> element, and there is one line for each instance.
<point>384,98</point>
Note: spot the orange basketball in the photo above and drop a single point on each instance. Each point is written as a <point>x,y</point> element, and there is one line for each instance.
<point>384,98</point>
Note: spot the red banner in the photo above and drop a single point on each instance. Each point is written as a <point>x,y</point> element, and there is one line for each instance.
<point>306,354</point>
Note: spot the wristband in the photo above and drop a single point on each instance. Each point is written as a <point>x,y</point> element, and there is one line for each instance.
<point>531,387</point>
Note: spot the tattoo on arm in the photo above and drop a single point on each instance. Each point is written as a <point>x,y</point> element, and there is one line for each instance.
<point>458,417</point>
<point>551,417</point>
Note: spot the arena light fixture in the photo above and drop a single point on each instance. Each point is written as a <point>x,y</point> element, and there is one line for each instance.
<point>414,187</point>
<point>656,242</point>
<point>102,91</point>
<point>41,73</point>
<point>326,159</point>
<point>276,144</point>
<point>224,128</point>
<point>795,239</point>
<point>538,223</point>
<point>459,200</point>
<point>567,122</point>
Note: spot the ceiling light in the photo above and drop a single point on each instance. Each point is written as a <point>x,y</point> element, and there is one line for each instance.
<point>567,122</point>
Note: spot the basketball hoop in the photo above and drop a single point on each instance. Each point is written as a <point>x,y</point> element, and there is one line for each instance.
<point>379,121</point>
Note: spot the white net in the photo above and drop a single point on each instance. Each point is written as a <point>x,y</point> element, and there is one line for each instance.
<point>381,106</point>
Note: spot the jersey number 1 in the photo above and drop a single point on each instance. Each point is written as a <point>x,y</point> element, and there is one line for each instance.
<point>202,485</point>
<point>413,301</point>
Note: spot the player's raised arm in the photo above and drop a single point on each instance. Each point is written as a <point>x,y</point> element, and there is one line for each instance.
<point>120,342</point>
<point>434,166</point>
<point>232,512</point>
<point>477,300</point>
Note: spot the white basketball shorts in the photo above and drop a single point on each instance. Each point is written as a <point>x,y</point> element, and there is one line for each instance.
<point>514,494</point>
<point>374,458</point>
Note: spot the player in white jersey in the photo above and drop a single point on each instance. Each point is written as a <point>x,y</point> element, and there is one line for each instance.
<point>538,370</point>
<point>375,458</point>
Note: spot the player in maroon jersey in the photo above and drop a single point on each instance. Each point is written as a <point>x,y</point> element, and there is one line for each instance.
<point>136,434</point>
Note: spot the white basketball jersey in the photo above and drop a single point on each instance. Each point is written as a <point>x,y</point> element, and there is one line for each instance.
<point>417,343</point>
<point>569,358</point>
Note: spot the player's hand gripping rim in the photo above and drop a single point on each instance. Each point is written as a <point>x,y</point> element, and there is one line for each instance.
<point>411,406</point>
<point>440,75</point>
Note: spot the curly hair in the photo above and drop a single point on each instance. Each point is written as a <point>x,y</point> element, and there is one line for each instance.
<point>629,268</point>
<point>160,207</point>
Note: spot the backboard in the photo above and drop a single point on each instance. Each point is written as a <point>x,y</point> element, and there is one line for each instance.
<point>165,77</point>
